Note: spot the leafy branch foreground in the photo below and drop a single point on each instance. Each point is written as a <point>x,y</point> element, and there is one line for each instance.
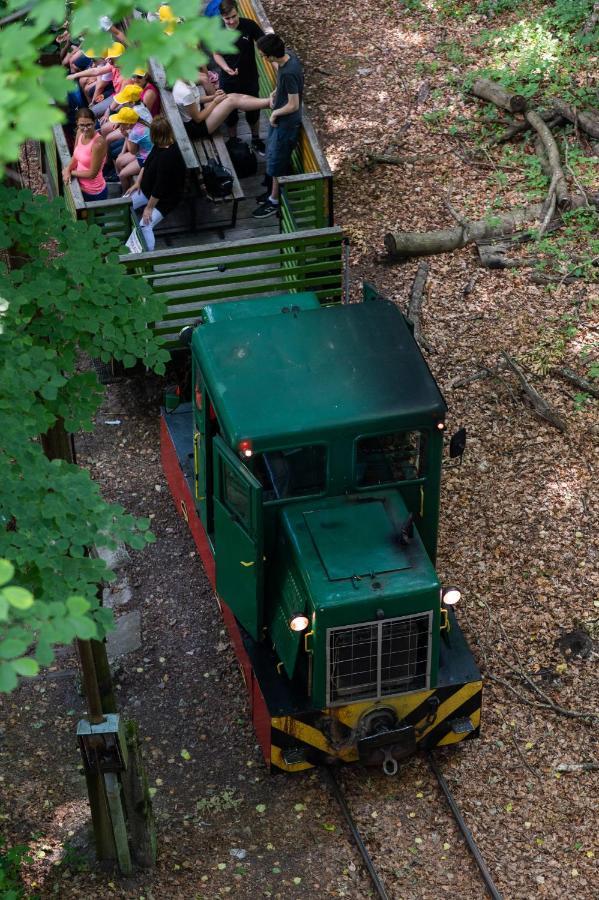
<point>67,295</point>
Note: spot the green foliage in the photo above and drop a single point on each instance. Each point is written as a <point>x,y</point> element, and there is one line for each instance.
<point>29,92</point>
<point>11,885</point>
<point>70,296</point>
<point>546,51</point>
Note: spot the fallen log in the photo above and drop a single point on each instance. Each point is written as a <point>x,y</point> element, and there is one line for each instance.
<point>403,244</point>
<point>551,116</point>
<point>415,305</point>
<point>585,119</point>
<point>495,93</point>
<point>562,195</point>
<point>539,404</point>
<point>577,380</point>
<point>541,278</point>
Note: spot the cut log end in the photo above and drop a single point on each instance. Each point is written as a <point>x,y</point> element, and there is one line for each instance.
<point>390,245</point>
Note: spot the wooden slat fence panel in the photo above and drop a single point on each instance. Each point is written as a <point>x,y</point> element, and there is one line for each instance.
<point>290,263</point>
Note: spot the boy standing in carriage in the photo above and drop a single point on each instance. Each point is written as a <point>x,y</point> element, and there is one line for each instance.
<point>285,120</point>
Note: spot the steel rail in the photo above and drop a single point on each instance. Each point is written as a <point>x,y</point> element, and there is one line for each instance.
<point>338,794</point>
<point>486,875</point>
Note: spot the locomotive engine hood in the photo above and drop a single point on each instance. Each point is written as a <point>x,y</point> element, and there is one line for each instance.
<point>363,564</point>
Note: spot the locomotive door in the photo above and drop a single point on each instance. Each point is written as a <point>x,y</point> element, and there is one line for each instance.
<point>238,538</point>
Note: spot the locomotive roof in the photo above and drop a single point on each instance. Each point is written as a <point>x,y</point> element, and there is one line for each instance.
<point>301,376</point>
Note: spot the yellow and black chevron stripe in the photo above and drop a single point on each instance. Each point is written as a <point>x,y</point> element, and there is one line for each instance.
<point>301,742</point>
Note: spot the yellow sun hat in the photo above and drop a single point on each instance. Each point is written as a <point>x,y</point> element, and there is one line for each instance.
<point>166,15</point>
<point>125,116</point>
<point>129,94</point>
<point>139,72</point>
<point>114,51</point>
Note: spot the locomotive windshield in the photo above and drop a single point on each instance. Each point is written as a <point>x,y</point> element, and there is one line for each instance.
<point>295,472</point>
<point>388,458</point>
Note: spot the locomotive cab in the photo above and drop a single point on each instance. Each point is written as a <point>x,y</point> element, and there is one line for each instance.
<point>317,445</point>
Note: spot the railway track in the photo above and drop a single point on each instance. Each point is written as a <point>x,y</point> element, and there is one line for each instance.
<point>380,889</point>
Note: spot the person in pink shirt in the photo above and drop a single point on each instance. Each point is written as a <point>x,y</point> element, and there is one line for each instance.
<point>89,156</point>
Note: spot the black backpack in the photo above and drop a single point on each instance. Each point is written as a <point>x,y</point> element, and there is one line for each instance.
<point>218,181</point>
<point>243,158</point>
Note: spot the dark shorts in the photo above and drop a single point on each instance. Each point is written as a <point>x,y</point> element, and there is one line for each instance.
<point>280,144</point>
<point>91,197</point>
<point>196,130</point>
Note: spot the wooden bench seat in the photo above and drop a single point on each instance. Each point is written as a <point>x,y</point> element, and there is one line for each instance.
<point>214,147</point>
<point>196,153</point>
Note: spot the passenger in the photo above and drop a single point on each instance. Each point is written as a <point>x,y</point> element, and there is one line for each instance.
<point>202,114</point>
<point>137,145</point>
<point>89,156</point>
<point>106,74</point>
<point>150,95</point>
<point>238,71</point>
<point>129,96</point>
<point>159,186</point>
<point>285,120</point>
<point>77,59</point>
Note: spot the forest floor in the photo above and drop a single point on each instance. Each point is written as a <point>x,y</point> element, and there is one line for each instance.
<point>518,535</point>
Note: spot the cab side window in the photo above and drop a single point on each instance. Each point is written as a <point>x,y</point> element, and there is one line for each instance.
<point>388,458</point>
<point>236,496</point>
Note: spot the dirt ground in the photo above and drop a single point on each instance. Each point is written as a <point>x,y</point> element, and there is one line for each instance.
<point>518,535</point>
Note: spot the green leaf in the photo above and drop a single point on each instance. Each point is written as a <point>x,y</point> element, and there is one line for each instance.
<point>11,647</point>
<point>7,571</point>
<point>3,609</point>
<point>18,597</point>
<point>8,678</point>
<point>77,606</point>
<point>85,629</point>
<point>25,666</point>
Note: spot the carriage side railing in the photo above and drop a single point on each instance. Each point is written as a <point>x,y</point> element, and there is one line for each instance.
<point>190,278</point>
<point>113,216</point>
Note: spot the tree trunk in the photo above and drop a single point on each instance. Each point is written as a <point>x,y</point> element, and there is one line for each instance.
<point>494,93</point>
<point>587,120</point>
<point>57,443</point>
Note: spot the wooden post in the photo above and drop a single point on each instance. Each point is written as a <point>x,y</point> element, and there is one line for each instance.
<point>117,817</point>
<point>103,676</point>
<point>140,815</point>
<point>101,824</point>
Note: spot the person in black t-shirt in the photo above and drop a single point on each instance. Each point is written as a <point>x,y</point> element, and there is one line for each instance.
<point>238,70</point>
<point>159,186</point>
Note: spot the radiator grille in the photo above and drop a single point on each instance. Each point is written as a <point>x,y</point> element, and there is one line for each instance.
<point>378,659</point>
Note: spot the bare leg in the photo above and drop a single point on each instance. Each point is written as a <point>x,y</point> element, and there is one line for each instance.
<point>127,167</point>
<point>108,129</point>
<point>221,111</point>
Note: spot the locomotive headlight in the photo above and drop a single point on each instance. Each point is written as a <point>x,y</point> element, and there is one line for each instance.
<point>299,622</point>
<point>451,596</point>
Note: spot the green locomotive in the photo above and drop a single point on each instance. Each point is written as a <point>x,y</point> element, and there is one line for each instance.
<point>308,467</point>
